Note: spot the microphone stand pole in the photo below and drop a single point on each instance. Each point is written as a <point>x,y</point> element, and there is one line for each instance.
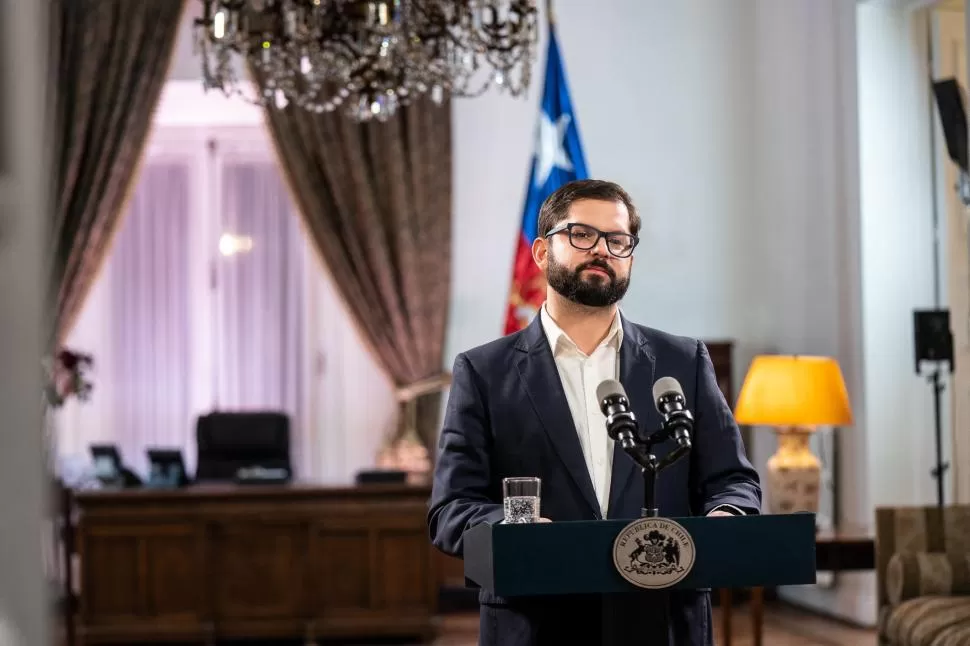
<point>650,607</point>
<point>649,471</point>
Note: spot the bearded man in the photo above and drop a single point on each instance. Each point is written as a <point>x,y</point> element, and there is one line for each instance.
<point>526,405</point>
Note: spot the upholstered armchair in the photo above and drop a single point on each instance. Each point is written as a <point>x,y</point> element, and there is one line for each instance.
<point>923,575</point>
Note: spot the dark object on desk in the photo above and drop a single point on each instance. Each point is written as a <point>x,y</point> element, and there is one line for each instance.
<point>109,469</point>
<point>381,476</point>
<point>166,469</point>
<point>340,563</point>
<point>230,441</point>
<point>107,460</point>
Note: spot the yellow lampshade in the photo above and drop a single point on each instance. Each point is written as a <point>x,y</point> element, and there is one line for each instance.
<point>785,390</point>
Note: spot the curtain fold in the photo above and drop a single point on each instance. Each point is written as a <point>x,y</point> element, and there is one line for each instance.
<point>375,199</point>
<point>109,62</point>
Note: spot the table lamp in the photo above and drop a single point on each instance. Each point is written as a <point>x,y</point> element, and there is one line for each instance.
<point>793,394</point>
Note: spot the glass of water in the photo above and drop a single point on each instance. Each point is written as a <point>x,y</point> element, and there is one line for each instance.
<point>521,499</point>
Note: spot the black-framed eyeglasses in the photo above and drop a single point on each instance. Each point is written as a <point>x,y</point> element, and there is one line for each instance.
<point>585,237</point>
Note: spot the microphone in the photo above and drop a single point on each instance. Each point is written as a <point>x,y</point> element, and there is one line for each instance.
<point>669,399</point>
<point>621,423</point>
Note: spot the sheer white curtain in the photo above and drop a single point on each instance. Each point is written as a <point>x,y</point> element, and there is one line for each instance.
<point>137,325</point>
<point>261,347</point>
<point>150,285</point>
<point>179,328</point>
<point>352,401</point>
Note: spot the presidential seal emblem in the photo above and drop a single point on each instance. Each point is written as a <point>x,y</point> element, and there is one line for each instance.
<point>653,553</point>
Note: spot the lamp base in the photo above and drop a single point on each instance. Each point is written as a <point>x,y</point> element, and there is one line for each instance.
<point>794,474</point>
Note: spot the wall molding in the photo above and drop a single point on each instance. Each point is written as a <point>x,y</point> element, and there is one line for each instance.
<point>188,104</point>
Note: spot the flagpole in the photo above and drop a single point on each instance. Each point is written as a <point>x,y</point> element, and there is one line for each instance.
<point>550,14</point>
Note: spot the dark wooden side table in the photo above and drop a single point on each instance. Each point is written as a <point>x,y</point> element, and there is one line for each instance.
<point>834,552</point>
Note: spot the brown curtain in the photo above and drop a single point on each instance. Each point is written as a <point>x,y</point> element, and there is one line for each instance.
<point>109,62</point>
<point>376,200</point>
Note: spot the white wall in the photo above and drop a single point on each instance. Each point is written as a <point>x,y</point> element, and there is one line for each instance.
<point>898,264</point>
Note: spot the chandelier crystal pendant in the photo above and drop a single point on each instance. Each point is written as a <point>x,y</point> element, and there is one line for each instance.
<point>367,57</point>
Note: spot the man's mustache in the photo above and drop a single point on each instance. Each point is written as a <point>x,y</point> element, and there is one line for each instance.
<point>599,264</point>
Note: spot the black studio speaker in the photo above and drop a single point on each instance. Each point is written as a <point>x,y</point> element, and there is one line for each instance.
<point>933,339</point>
<point>953,117</point>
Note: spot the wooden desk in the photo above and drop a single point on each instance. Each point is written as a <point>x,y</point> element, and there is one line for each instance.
<point>851,550</point>
<point>258,561</point>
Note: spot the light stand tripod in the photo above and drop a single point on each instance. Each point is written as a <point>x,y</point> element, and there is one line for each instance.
<point>941,467</point>
<point>934,344</point>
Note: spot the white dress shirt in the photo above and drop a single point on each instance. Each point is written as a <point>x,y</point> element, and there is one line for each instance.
<point>581,374</point>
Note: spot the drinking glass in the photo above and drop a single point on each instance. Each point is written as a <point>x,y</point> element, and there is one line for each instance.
<point>520,497</point>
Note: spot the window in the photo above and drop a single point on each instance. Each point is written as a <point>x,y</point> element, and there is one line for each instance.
<point>213,298</point>
<point>203,297</point>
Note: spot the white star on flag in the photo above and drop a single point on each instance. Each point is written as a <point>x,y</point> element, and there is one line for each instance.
<point>550,150</point>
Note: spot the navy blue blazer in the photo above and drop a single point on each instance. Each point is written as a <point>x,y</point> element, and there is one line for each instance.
<point>507,415</point>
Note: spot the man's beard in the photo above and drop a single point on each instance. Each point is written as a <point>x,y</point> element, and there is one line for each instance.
<point>589,291</point>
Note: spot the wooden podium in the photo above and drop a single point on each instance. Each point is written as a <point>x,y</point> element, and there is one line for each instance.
<point>587,557</point>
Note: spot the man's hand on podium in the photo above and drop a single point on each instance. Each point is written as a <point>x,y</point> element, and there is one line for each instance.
<point>544,520</point>
<point>725,510</point>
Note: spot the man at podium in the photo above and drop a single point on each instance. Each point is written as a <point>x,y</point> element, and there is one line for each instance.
<point>525,405</point>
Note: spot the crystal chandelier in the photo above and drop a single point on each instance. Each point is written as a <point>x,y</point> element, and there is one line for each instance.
<point>367,56</point>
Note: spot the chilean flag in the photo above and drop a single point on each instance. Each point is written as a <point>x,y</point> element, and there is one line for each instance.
<point>558,159</point>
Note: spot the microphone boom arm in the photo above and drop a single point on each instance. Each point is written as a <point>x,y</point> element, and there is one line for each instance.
<point>641,450</point>
<point>623,427</point>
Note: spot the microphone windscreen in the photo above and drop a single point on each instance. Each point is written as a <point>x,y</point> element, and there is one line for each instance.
<point>666,386</point>
<point>609,387</point>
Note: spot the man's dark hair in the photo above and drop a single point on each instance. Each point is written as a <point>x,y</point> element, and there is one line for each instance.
<point>556,207</point>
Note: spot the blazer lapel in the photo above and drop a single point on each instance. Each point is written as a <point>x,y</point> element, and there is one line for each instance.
<point>637,365</point>
<point>537,367</point>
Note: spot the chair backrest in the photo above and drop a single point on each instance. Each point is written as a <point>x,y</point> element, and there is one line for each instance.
<point>229,441</point>
<point>918,529</point>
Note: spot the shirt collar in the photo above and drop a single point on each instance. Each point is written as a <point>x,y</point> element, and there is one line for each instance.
<point>558,339</point>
